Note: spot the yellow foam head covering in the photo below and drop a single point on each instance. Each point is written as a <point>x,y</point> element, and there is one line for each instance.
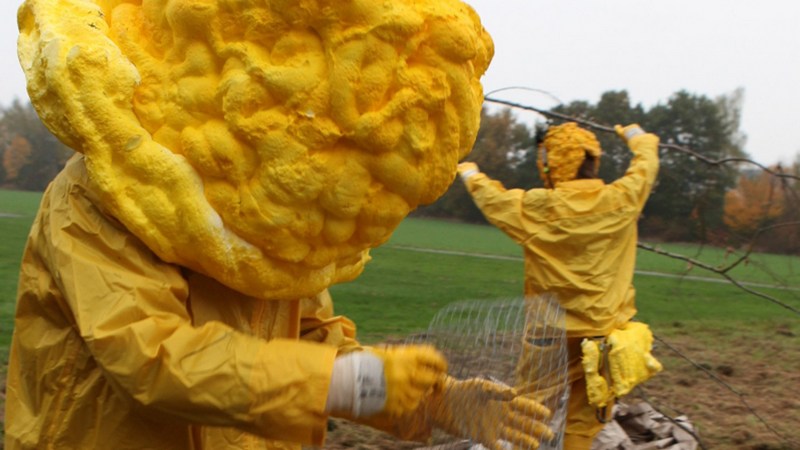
<point>266,143</point>
<point>563,150</point>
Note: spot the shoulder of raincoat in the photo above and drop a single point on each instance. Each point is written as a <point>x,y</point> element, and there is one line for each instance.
<point>506,208</point>
<point>579,238</point>
<point>114,348</point>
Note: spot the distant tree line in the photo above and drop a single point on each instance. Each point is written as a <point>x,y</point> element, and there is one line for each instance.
<point>692,201</point>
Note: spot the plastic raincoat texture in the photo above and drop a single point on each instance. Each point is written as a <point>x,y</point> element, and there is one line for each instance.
<point>579,241</point>
<point>129,351</point>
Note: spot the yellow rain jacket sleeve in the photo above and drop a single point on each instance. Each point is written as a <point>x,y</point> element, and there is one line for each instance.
<point>106,334</point>
<point>579,239</point>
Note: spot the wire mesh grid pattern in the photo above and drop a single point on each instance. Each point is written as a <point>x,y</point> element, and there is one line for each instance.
<point>519,342</point>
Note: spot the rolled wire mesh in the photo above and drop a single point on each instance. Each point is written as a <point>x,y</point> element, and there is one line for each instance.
<point>517,342</point>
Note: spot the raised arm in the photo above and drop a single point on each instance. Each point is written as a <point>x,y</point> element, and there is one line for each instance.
<point>502,207</point>
<point>641,174</point>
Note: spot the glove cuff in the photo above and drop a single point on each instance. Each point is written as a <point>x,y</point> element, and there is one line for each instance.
<point>370,392</point>
<point>358,385</point>
<point>468,173</point>
<point>632,131</point>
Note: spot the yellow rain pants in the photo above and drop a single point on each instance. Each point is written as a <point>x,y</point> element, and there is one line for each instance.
<point>115,349</point>
<point>579,241</point>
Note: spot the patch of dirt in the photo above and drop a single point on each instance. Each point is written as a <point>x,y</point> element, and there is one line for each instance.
<point>743,395</point>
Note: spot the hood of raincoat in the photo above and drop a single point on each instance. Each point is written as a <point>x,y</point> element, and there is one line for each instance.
<point>267,144</point>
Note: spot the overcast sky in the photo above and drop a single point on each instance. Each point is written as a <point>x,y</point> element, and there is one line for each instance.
<point>578,49</point>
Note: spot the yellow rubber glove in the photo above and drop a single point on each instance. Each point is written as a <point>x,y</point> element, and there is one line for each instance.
<point>467,169</point>
<point>489,413</point>
<point>629,131</point>
<point>410,372</point>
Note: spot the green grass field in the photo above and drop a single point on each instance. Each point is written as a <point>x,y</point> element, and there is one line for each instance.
<point>428,264</point>
<point>17,210</point>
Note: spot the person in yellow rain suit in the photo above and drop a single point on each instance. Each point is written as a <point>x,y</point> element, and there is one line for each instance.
<point>115,348</point>
<point>230,168</point>
<point>579,237</point>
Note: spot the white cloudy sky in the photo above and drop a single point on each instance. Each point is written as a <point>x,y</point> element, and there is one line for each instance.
<point>578,49</point>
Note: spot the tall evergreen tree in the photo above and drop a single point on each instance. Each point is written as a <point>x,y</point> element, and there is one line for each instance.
<point>689,198</point>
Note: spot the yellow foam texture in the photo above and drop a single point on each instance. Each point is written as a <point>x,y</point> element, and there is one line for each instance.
<point>630,358</point>
<point>597,390</point>
<point>268,144</point>
<point>567,145</point>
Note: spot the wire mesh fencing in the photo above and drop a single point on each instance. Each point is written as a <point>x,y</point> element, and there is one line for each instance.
<point>520,343</point>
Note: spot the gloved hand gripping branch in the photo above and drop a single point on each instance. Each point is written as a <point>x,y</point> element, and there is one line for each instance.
<point>628,132</point>
<point>467,169</point>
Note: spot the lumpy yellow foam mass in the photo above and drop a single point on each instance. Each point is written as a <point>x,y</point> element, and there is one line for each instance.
<point>268,144</point>
<point>566,146</point>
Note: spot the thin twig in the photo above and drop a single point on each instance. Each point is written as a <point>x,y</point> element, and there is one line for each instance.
<point>553,114</point>
<point>750,247</point>
<point>641,392</point>
<point>770,227</point>
<point>722,383</point>
<point>723,273</point>
<point>525,88</point>
<point>679,148</point>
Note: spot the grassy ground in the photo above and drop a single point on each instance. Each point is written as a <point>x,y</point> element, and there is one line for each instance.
<point>747,341</point>
<point>17,210</point>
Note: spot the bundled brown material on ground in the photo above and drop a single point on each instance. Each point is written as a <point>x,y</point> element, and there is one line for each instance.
<point>640,427</point>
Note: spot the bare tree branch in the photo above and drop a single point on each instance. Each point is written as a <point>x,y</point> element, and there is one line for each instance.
<point>722,272</point>
<point>600,127</point>
<point>755,237</point>
<point>722,383</point>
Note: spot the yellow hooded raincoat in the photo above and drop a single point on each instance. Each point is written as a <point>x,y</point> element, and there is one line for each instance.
<point>579,241</point>
<point>579,238</point>
<point>110,329</point>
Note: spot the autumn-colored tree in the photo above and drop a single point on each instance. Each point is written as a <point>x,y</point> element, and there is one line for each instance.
<point>46,154</point>
<point>5,141</point>
<point>755,202</point>
<point>15,156</point>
